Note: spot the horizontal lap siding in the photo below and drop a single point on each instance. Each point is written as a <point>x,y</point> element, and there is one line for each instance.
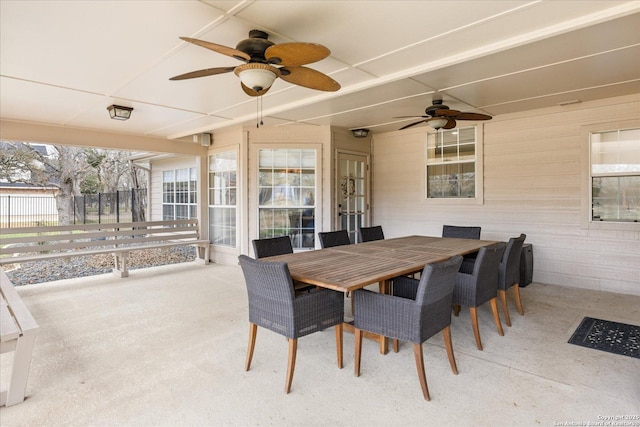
<point>532,185</point>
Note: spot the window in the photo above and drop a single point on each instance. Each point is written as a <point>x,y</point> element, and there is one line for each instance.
<point>452,164</point>
<point>615,175</point>
<point>179,194</point>
<point>286,191</point>
<point>223,169</point>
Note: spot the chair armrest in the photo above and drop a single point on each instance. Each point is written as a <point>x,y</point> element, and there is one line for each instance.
<point>317,310</point>
<point>387,315</point>
<point>405,287</point>
<point>464,292</point>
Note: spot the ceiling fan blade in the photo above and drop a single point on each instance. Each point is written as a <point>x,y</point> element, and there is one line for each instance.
<point>446,113</point>
<point>450,124</point>
<point>252,92</point>
<point>472,116</point>
<point>411,117</point>
<point>307,77</point>
<point>203,73</point>
<point>225,50</point>
<point>295,54</point>
<point>412,124</point>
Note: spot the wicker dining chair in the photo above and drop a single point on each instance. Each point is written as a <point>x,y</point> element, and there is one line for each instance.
<point>272,246</point>
<point>473,290</point>
<point>329,239</point>
<point>463,232</point>
<point>273,305</point>
<point>417,310</point>
<point>510,275</point>
<point>368,234</point>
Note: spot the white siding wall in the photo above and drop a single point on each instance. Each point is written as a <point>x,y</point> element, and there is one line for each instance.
<point>535,182</point>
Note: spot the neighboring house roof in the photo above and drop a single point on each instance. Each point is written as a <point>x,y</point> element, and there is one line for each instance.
<point>23,186</point>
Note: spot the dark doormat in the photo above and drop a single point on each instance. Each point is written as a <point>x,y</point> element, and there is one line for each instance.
<point>613,337</point>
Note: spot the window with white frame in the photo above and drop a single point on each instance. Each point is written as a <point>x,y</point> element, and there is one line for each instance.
<point>452,164</point>
<point>179,194</point>
<point>286,192</point>
<point>615,175</point>
<point>223,169</point>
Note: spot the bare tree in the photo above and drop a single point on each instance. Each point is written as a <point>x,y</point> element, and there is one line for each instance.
<point>63,168</point>
<point>111,170</point>
<point>137,174</point>
<point>74,171</point>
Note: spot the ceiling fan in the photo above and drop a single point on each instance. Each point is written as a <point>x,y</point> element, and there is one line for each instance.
<point>440,116</point>
<point>265,61</point>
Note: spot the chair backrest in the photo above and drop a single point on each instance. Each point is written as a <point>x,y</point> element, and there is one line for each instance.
<point>510,263</point>
<point>461,232</point>
<point>434,297</point>
<point>368,234</point>
<point>486,271</point>
<point>270,292</point>
<point>273,246</point>
<point>437,280</point>
<point>329,239</point>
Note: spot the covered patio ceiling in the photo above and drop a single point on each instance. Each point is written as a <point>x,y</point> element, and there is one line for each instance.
<point>64,62</point>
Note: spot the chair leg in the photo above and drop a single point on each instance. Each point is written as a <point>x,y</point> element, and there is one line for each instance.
<point>417,351</point>
<point>456,309</point>
<point>253,330</point>
<point>496,315</point>
<point>395,345</point>
<point>446,333</point>
<point>291,364</point>
<point>505,309</point>
<point>339,344</point>
<point>516,292</point>
<point>473,311</point>
<point>358,350</point>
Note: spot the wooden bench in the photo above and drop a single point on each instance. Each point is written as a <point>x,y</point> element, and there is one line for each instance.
<point>64,241</point>
<point>18,332</point>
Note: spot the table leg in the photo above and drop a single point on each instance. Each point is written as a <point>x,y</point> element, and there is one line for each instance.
<point>385,288</point>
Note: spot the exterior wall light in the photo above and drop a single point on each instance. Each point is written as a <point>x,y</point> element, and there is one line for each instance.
<point>360,133</point>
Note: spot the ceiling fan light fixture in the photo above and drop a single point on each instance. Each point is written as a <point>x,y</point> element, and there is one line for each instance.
<point>118,112</point>
<point>438,122</point>
<point>257,76</point>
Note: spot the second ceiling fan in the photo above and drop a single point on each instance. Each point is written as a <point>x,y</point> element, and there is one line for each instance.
<point>440,116</point>
<point>265,61</point>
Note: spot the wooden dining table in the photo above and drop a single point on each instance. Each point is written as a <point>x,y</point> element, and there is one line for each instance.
<point>351,267</point>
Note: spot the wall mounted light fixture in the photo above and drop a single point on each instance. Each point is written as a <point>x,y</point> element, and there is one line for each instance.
<point>118,112</point>
<point>360,133</point>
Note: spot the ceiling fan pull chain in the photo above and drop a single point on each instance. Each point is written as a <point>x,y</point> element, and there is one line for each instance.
<point>261,122</point>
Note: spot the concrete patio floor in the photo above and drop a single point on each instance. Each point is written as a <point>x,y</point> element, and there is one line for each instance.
<point>166,347</point>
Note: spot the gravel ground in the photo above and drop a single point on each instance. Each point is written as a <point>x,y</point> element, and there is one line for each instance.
<point>46,271</point>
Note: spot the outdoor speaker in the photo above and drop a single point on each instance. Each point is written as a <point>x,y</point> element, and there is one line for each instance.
<point>203,138</point>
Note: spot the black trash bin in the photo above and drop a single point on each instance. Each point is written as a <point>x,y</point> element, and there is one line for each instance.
<point>526,265</point>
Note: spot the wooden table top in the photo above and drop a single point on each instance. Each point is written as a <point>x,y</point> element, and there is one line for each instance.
<point>350,267</point>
